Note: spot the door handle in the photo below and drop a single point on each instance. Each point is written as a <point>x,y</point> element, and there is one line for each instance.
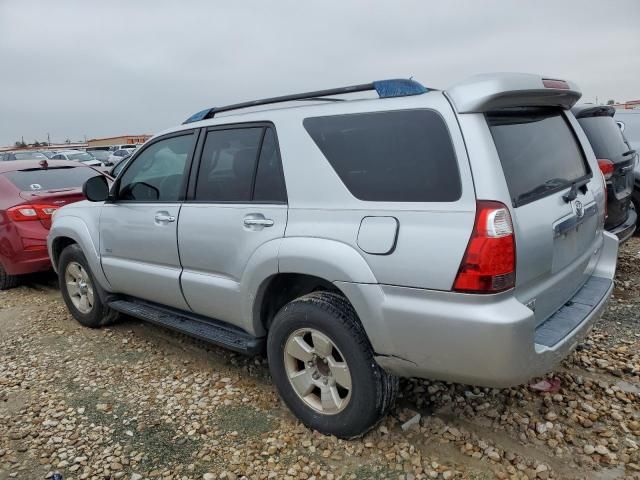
<point>257,221</point>
<point>164,218</point>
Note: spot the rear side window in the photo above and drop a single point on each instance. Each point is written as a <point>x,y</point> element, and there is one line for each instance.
<point>398,156</point>
<point>538,150</point>
<point>50,179</point>
<point>241,165</point>
<point>605,137</point>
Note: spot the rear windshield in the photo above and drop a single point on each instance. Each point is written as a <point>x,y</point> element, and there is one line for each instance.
<point>30,156</point>
<point>50,179</point>
<point>538,151</point>
<point>395,156</point>
<point>605,137</point>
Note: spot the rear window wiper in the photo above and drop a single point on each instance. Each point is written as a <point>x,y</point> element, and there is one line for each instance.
<point>540,189</point>
<point>630,152</point>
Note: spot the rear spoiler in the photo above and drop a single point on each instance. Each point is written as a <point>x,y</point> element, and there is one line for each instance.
<point>483,93</point>
<point>588,110</point>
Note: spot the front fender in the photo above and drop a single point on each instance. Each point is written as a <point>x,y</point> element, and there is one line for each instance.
<point>75,228</point>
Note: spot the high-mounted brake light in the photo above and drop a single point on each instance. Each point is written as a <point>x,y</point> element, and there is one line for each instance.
<point>30,212</point>
<point>553,83</point>
<point>489,263</point>
<point>606,167</point>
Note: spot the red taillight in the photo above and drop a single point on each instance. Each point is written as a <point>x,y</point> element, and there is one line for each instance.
<point>606,167</point>
<point>489,264</point>
<point>29,212</point>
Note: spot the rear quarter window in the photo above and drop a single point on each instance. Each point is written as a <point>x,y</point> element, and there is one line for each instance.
<point>396,156</point>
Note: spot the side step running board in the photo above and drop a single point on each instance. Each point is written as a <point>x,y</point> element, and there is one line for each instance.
<point>208,330</point>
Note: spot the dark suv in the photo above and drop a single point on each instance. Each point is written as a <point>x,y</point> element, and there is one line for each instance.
<point>616,160</point>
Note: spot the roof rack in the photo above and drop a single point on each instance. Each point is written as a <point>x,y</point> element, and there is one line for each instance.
<point>385,88</point>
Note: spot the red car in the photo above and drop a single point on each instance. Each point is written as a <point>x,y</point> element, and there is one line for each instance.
<point>30,191</point>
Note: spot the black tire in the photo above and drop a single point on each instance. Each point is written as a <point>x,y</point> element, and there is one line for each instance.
<point>8,281</point>
<point>373,390</point>
<point>100,314</point>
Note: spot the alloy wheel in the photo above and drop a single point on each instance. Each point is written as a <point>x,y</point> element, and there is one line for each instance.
<point>317,371</point>
<point>79,287</point>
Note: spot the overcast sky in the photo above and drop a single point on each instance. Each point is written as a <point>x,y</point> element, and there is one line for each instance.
<point>104,68</point>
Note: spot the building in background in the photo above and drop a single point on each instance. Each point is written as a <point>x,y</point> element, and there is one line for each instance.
<point>630,105</point>
<point>121,140</point>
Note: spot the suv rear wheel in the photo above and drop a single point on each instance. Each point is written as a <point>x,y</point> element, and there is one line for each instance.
<point>79,290</point>
<point>323,366</point>
<point>7,281</point>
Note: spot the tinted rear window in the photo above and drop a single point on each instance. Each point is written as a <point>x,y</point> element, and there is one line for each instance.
<point>605,137</point>
<point>30,156</point>
<point>399,156</point>
<point>538,151</point>
<point>51,179</point>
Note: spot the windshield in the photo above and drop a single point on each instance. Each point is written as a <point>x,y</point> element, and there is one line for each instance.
<point>29,156</point>
<point>80,157</point>
<point>50,179</point>
<point>538,151</point>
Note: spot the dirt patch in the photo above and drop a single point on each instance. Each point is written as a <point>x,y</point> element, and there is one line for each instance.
<point>136,399</point>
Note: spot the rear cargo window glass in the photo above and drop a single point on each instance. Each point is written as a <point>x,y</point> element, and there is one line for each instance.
<point>399,156</point>
<point>538,151</point>
<point>605,137</point>
<point>50,179</point>
<point>29,156</point>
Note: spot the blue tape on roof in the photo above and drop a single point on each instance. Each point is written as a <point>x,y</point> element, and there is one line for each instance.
<point>385,88</point>
<point>196,117</point>
<point>400,87</point>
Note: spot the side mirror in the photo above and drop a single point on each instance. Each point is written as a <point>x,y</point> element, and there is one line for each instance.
<point>96,189</point>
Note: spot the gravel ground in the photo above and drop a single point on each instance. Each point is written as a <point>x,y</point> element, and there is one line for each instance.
<point>135,401</point>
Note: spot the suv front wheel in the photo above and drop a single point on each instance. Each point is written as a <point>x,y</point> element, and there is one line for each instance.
<point>80,291</point>
<point>323,366</point>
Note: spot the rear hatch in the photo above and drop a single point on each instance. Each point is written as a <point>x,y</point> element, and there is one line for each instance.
<point>553,190</point>
<point>610,146</point>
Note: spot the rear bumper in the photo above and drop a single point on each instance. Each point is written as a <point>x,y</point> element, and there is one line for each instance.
<point>489,340</point>
<point>625,230</point>
<point>23,248</point>
<point>26,262</point>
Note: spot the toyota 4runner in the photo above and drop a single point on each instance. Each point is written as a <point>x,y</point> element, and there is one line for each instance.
<point>454,235</point>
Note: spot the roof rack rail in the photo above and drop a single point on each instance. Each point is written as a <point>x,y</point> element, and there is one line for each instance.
<point>401,87</point>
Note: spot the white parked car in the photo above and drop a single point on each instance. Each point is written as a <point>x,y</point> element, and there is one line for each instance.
<point>78,156</point>
<point>113,148</point>
<point>117,156</point>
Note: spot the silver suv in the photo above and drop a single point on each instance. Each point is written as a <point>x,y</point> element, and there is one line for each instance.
<point>454,235</point>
